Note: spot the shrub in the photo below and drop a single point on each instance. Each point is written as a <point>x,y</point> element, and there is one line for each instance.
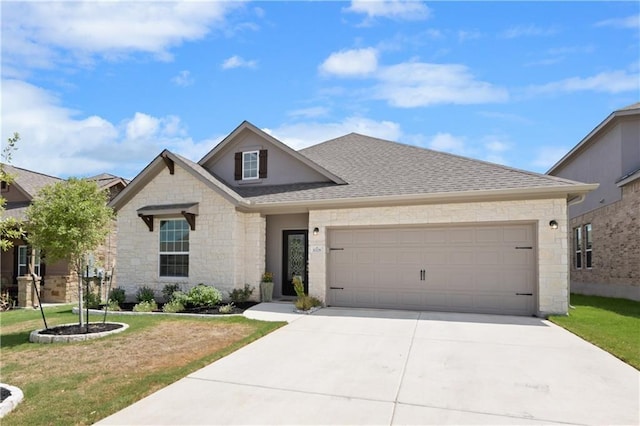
<point>238,295</point>
<point>298,286</point>
<point>145,294</point>
<point>204,296</point>
<point>113,305</point>
<point>226,309</point>
<point>173,306</point>
<point>267,277</point>
<point>305,303</point>
<point>146,306</point>
<point>117,295</point>
<point>180,297</point>
<point>168,290</point>
<point>92,300</point>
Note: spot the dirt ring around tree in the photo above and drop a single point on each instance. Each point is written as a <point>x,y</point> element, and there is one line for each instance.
<point>67,333</point>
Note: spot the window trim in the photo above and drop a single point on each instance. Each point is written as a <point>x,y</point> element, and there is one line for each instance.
<point>588,246</point>
<point>257,160</point>
<point>165,253</point>
<point>577,241</point>
<point>36,263</point>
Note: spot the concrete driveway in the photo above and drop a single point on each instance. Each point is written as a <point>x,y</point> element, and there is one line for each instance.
<point>356,366</point>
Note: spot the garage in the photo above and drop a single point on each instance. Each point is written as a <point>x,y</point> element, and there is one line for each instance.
<point>461,268</point>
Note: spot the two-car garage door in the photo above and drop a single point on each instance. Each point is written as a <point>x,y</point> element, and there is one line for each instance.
<point>486,269</point>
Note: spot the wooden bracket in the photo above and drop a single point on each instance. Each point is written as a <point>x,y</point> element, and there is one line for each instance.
<point>148,220</point>
<point>191,219</point>
<point>169,162</point>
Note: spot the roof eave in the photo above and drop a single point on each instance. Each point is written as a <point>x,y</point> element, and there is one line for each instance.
<point>565,192</point>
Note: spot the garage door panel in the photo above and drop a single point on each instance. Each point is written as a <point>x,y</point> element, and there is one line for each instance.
<point>467,269</point>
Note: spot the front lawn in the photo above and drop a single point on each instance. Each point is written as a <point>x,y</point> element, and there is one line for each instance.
<point>611,324</point>
<point>81,383</point>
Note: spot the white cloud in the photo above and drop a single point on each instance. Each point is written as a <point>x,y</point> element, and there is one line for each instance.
<point>608,82</point>
<point>528,31</point>
<point>547,156</point>
<point>410,10</point>
<point>312,112</point>
<point>302,135</point>
<point>42,34</point>
<point>632,22</point>
<point>183,79</point>
<point>58,141</point>
<point>351,63</point>
<point>238,62</point>
<point>446,142</point>
<point>417,84</point>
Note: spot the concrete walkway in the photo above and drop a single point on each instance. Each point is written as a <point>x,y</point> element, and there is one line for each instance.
<point>366,367</point>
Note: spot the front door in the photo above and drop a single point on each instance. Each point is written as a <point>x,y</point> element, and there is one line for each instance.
<point>294,260</point>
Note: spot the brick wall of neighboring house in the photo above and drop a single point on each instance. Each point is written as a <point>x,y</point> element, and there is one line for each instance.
<point>615,269</point>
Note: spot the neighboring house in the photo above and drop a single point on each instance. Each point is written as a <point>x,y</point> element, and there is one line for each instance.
<point>58,283</point>
<point>366,222</point>
<point>605,227</point>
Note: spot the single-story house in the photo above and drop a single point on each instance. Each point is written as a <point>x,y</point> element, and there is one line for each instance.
<point>605,227</point>
<point>57,282</point>
<point>367,223</point>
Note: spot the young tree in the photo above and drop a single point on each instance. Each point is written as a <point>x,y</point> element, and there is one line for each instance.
<point>10,228</point>
<point>68,220</point>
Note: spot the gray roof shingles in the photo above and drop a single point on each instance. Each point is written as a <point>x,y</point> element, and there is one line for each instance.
<point>376,167</point>
<point>30,181</point>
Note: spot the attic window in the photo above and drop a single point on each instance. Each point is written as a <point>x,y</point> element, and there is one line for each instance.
<point>251,165</point>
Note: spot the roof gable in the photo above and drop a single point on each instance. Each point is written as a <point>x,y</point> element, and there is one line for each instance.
<point>286,166</point>
<point>28,182</point>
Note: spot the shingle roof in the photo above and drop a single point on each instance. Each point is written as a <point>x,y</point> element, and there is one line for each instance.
<point>375,167</point>
<point>29,181</point>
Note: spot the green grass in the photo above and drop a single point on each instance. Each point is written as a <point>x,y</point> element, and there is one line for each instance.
<point>611,324</point>
<point>81,383</point>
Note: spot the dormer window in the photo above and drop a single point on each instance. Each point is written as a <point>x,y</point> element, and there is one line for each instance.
<point>251,165</point>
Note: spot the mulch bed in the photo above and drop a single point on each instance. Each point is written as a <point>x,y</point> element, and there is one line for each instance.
<point>76,329</point>
<point>4,394</point>
<point>237,309</point>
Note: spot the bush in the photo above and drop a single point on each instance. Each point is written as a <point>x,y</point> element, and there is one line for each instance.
<point>298,286</point>
<point>226,309</point>
<point>117,295</point>
<point>238,295</point>
<point>180,297</point>
<point>173,306</point>
<point>92,300</point>
<point>113,305</point>
<point>305,303</point>
<point>168,290</point>
<point>204,296</point>
<point>146,306</point>
<point>145,294</point>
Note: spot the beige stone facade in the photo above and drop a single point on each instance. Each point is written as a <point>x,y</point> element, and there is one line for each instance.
<point>227,247</point>
<point>552,262</point>
<point>615,270</point>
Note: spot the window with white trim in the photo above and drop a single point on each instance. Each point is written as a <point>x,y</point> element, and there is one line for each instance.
<point>24,252</point>
<point>250,165</point>
<point>588,246</point>
<point>174,248</point>
<point>577,244</point>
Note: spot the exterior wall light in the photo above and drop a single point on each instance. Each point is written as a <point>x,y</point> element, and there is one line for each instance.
<point>316,231</point>
<point>553,224</point>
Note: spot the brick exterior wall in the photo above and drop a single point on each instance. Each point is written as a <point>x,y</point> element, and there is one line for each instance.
<point>227,249</point>
<point>615,268</point>
<point>552,262</point>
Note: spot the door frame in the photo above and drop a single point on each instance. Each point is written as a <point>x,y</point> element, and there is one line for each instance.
<point>287,287</point>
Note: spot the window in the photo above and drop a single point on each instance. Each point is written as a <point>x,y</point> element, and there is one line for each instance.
<point>577,241</point>
<point>250,165</point>
<point>587,246</point>
<point>23,261</point>
<point>4,186</point>
<point>174,248</point>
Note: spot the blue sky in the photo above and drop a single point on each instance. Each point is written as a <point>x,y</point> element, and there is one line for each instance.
<point>105,86</point>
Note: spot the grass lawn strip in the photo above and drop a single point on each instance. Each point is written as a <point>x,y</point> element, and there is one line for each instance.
<point>81,383</point>
<point>609,323</point>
